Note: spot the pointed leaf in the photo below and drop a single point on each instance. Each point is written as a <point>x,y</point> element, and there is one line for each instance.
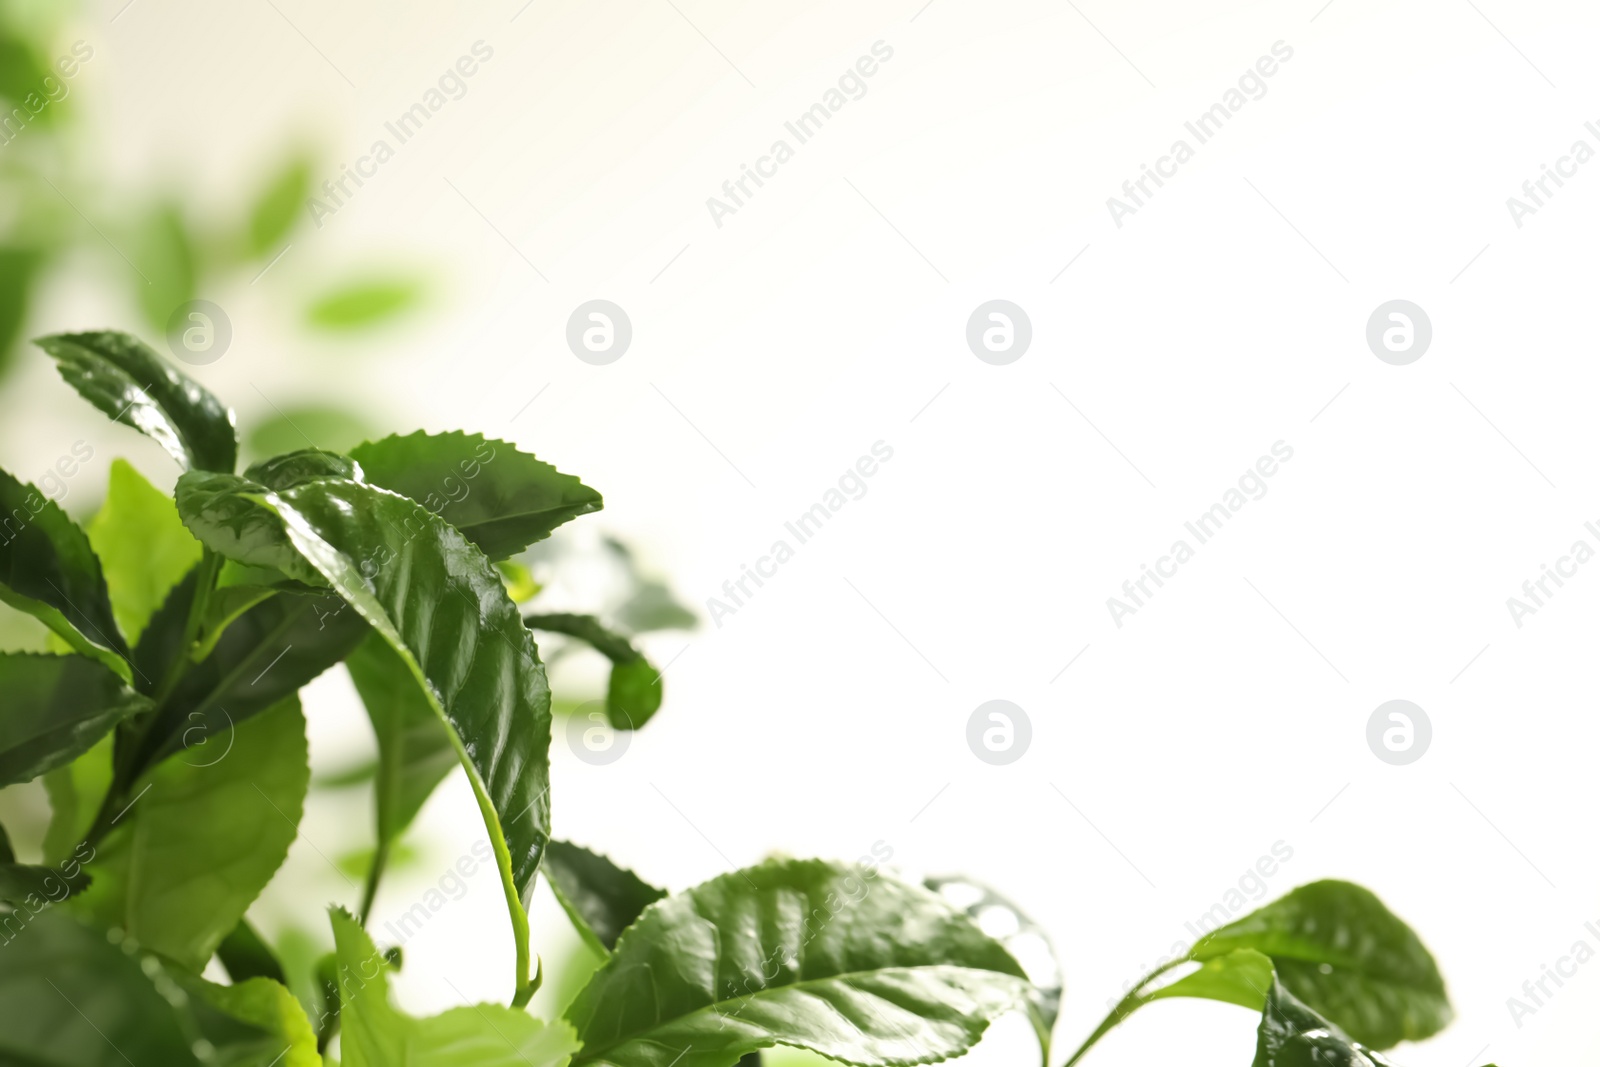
<point>633,694</point>
<point>123,377</point>
<point>198,843</point>
<point>70,996</point>
<point>166,277</point>
<point>48,570</point>
<point>806,953</point>
<point>278,207</point>
<point>367,302</point>
<point>1337,948</point>
<point>376,1034</point>
<point>501,499</point>
<point>440,604</point>
<point>1240,977</point>
<point>600,898</point>
<point>143,547</point>
<point>56,708</point>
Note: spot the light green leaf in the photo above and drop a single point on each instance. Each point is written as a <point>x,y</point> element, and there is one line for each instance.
<point>68,995</point>
<point>143,547</point>
<point>164,251</point>
<point>600,898</point>
<point>440,604</point>
<point>376,1034</point>
<point>123,377</point>
<point>633,694</point>
<point>274,1032</point>
<point>56,708</point>
<point>1240,977</point>
<point>199,844</point>
<point>503,500</point>
<point>48,570</point>
<point>76,792</point>
<point>415,752</point>
<point>307,425</point>
<point>1337,948</point>
<point>870,972</point>
<point>277,208</point>
<point>364,303</point>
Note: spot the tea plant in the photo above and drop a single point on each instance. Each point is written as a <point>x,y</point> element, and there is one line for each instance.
<point>182,621</point>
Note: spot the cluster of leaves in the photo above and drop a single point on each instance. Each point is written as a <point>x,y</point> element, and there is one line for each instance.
<point>188,624</point>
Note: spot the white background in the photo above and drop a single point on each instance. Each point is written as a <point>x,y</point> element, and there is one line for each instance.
<point>829,313</point>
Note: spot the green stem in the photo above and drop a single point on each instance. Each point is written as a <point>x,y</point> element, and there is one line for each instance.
<point>380,859</point>
<point>1125,1007</point>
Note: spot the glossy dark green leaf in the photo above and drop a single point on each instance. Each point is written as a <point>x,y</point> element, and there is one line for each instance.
<point>376,1034</point>
<point>1240,977</point>
<point>238,528</point>
<point>142,545</point>
<point>68,995</point>
<point>503,500</point>
<point>600,898</point>
<point>364,303</point>
<point>440,604</point>
<point>123,377</point>
<point>202,838</point>
<point>1292,1035</point>
<point>302,465</point>
<point>244,954</point>
<point>48,570</point>
<point>55,709</point>
<point>165,276</point>
<point>865,970</point>
<point>268,652</point>
<point>1337,948</point>
<point>415,752</point>
<point>1025,939</point>
<point>633,694</point>
<point>278,207</point>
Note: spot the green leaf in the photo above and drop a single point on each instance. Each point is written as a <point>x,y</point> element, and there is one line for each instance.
<point>268,652</point>
<point>633,695</point>
<point>650,604</point>
<point>76,792</point>
<point>1240,977</point>
<point>415,752</point>
<point>68,995</point>
<point>805,953</point>
<point>244,955</point>
<point>165,277</point>
<point>254,1023</point>
<point>56,708</point>
<point>48,570</point>
<point>143,547</point>
<point>277,208</point>
<point>20,268</point>
<point>376,1034</point>
<point>36,885</point>
<point>1337,948</point>
<point>198,843</point>
<point>1292,1035</point>
<point>123,377</point>
<point>600,898</point>
<point>503,500</point>
<point>440,604</point>
<point>307,425</point>
<point>302,465</point>
<point>360,304</point>
<point>1024,939</point>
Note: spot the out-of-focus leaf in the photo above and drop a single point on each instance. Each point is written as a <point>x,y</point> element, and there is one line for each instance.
<point>69,996</point>
<point>1339,950</point>
<point>600,898</point>
<point>163,253</point>
<point>633,695</point>
<point>278,207</point>
<point>1025,939</point>
<point>305,426</point>
<point>195,849</point>
<point>364,303</point>
<point>802,953</point>
<point>76,792</point>
<point>127,380</point>
<point>245,955</point>
<point>48,570</point>
<point>501,499</point>
<point>253,1023</point>
<point>520,584</point>
<point>376,1034</point>
<point>19,269</point>
<point>36,885</point>
<point>55,709</point>
<point>143,546</point>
